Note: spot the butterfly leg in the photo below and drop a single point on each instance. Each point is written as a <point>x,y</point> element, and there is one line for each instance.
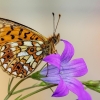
<point>47,69</point>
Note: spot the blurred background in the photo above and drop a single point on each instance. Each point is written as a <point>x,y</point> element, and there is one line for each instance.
<point>79,24</point>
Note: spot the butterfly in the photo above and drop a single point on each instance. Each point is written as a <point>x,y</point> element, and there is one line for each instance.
<point>23,48</point>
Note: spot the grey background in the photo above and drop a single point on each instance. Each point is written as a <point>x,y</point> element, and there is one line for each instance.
<point>79,24</point>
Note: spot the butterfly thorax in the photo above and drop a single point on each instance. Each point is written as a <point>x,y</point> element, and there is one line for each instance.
<point>50,44</point>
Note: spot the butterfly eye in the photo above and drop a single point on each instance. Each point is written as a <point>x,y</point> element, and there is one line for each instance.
<point>54,40</point>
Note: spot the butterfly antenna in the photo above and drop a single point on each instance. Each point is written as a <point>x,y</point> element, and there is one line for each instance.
<point>53,23</point>
<point>57,23</point>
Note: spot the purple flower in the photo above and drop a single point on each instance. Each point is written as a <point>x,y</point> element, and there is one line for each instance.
<point>62,72</point>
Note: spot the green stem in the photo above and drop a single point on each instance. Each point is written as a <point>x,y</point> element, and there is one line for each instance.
<point>6,98</point>
<point>21,90</point>
<point>44,88</point>
<point>10,92</point>
<point>9,86</point>
<point>19,83</point>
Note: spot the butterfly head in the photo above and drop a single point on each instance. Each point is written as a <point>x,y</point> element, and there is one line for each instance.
<point>55,38</point>
<point>52,41</point>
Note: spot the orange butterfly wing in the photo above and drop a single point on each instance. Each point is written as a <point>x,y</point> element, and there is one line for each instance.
<point>21,48</point>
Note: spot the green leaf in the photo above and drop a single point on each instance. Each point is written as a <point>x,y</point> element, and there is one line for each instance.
<point>93,85</point>
<point>36,75</point>
<point>43,84</point>
<point>94,88</point>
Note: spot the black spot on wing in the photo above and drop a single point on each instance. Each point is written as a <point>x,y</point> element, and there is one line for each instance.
<point>11,27</point>
<point>2,39</point>
<point>20,32</point>
<point>19,38</point>
<point>25,35</point>
<point>12,36</point>
<point>8,32</point>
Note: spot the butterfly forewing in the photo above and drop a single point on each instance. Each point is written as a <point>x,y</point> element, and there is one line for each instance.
<point>15,32</point>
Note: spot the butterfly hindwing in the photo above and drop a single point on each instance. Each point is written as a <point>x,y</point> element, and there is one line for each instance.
<point>21,58</point>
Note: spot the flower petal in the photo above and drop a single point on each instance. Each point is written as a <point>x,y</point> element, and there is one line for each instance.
<point>50,71</point>
<point>53,59</point>
<point>75,86</point>
<point>61,89</point>
<point>76,67</point>
<point>53,79</point>
<point>85,96</point>
<point>68,52</point>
